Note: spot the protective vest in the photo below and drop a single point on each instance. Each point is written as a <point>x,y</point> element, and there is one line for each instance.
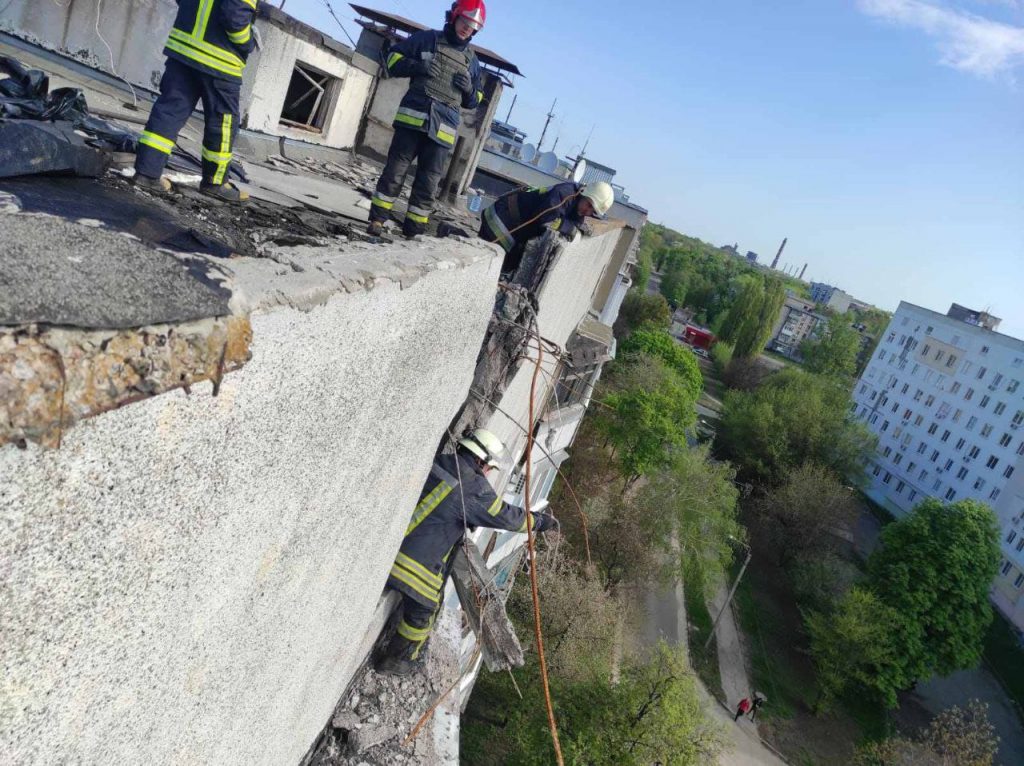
<point>431,105</point>
<point>213,36</point>
<point>447,508</point>
<point>438,84</point>
<point>523,215</point>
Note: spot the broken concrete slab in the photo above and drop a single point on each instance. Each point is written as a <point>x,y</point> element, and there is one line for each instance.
<point>55,272</point>
<point>371,736</point>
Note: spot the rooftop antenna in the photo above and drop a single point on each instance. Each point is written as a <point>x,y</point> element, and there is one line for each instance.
<point>509,115</point>
<point>583,151</point>
<point>547,122</point>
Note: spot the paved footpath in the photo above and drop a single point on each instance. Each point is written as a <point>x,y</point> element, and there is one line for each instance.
<point>666,620</point>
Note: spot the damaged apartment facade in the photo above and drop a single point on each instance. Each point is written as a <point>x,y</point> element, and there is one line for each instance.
<point>209,463</point>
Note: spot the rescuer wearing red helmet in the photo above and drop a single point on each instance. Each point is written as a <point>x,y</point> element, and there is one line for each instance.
<point>445,75</point>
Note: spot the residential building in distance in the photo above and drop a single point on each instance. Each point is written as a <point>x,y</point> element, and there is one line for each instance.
<point>944,396</point>
<point>832,297</point>
<point>751,256</point>
<point>797,322</point>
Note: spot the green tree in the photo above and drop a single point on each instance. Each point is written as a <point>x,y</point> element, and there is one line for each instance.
<point>835,351</point>
<point>647,409</point>
<point>695,498</point>
<point>642,310</point>
<point>756,329</point>
<point>854,649</point>
<point>681,360</point>
<point>673,280</point>
<point>745,306</point>
<point>934,568</point>
<point>807,512</point>
<point>792,418</point>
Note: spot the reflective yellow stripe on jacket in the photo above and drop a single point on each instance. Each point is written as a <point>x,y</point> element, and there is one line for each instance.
<point>428,504</point>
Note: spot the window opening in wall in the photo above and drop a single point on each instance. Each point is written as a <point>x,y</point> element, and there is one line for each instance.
<point>306,104</point>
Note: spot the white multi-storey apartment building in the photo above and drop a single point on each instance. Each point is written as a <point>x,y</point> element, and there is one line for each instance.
<point>946,399</point>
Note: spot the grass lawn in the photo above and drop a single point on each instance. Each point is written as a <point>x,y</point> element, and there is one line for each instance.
<point>1005,658</point>
<point>705,662</point>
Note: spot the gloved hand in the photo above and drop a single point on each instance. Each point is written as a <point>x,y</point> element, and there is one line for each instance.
<point>463,82</point>
<point>544,522</point>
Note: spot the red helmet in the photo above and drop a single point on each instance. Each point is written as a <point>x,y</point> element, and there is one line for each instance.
<point>473,11</point>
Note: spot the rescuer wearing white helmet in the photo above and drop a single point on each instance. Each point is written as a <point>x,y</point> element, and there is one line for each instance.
<point>457,497</point>
<point>516,218</point>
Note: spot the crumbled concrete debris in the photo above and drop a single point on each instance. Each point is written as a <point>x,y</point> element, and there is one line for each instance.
<point>379,712</point>
<point>357,173</point>
<point>51,378</point>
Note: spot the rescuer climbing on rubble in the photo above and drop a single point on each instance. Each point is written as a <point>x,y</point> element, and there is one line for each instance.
<point>516,218</point>
<point>445,75</point>
<point>457,497</point>
<point>206,54</point>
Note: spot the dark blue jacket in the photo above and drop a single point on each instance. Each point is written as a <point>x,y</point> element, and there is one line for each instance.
<point>520,216</point>
<point>418,111</point>
<point>447,508</point>
<point>213,36</point>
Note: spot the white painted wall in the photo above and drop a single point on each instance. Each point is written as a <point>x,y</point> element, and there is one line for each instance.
<point>135,30</point>
<point>188,580</point>
<point>266,85</point>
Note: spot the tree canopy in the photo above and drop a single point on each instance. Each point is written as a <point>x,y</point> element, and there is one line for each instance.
<point>681,360</point>
<point>641,310</point>
<point>835,352</point>
<point>934,568</point>
<point>792,418</point>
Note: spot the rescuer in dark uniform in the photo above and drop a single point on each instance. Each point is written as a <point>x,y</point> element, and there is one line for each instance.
<point>206,54</point>
<point>445,75</point>
<point>519,216</point>
<point>457,497</point>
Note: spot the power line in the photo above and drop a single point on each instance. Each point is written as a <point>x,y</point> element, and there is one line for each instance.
<point>330,9</point>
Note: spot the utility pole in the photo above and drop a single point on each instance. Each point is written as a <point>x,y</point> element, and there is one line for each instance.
<point>509,116</point>
<point>551,116</point>
<point>732,593</point>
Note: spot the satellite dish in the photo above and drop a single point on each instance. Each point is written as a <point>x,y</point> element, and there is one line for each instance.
<point>529,153</point>
<point>548,162</point>
<point>580,171</point>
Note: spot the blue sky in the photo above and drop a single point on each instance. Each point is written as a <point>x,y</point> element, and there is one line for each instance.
<point>885,138</point>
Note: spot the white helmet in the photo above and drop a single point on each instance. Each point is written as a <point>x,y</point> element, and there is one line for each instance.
<point>485,446</point>
<point>601,195</point>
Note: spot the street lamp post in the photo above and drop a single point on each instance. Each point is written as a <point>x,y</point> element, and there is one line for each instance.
<point>732,592</point>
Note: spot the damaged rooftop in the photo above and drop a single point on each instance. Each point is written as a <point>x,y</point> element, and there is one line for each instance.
<point>112,294</point>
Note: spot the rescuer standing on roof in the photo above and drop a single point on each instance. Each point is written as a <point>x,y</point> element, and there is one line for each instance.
<point>516,218</point>
<point>445,75</point>
<point>457,497</point>
<point>206,54</point>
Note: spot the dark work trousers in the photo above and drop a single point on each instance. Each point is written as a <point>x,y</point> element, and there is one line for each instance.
<point>181,88</point>
<point>413,631</point>
<point>406,146</point>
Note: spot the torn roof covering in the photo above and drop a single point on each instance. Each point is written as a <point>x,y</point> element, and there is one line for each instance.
<point>406,25</point>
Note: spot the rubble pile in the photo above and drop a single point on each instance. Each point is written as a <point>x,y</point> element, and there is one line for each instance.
<point>378,713</point>
<point>357,173</point>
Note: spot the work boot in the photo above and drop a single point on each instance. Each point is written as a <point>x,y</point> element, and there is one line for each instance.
<point>396,666</point>
<point>375,229</point>
<point>227,192</point>
<point>158,185</point>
